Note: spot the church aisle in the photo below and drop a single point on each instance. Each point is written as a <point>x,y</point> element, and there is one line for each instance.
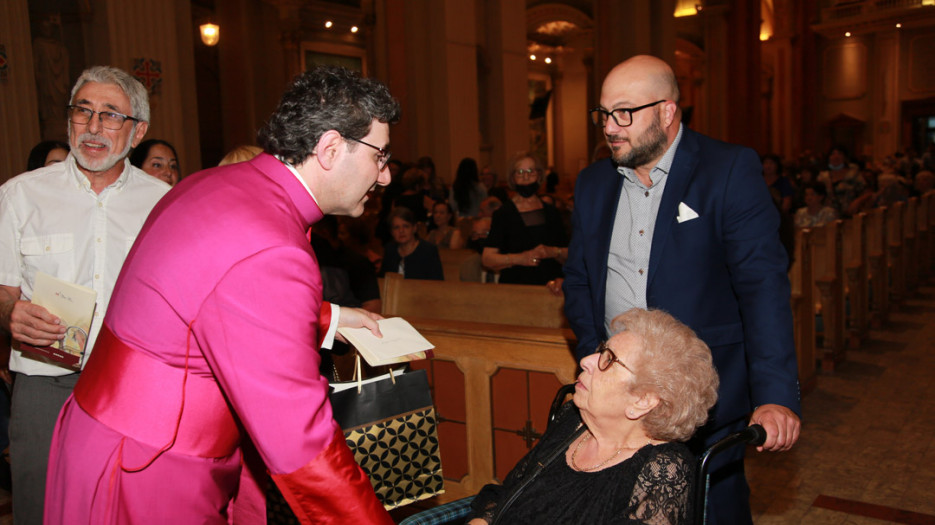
<point>866,453</point>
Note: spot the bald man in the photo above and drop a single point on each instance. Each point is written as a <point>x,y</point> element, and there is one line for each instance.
<point>681,222</point>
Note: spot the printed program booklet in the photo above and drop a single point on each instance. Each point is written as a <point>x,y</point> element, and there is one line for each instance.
<point>74,305</point>
<point>400,342</point>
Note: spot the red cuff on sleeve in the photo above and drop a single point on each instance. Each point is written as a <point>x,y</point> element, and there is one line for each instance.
<point>324,321</point>
<point>332,489</point>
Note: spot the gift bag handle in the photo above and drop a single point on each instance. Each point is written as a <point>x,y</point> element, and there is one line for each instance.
<point>359,376</point>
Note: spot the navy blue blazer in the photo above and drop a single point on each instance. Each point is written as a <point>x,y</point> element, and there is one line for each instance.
<point>723,273</point>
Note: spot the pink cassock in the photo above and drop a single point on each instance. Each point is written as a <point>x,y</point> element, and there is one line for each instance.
<point>220,292</point>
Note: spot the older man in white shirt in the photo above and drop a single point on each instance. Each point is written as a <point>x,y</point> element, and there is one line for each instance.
<point>75,220</point>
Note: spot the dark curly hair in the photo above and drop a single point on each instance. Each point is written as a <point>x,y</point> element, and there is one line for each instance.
<point>320,100</point>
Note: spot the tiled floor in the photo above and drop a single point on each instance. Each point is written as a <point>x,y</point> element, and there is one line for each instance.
<point>867,452</point>
<point>868,442</point>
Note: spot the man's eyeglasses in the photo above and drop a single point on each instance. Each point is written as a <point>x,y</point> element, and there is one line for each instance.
<point>108,119</point>
<point>622,116</point>
<point>382,158</point>
<point>527,171</point>
<point>607,357</point>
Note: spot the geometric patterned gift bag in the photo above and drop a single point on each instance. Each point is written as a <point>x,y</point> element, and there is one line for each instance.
<point>390,425</point>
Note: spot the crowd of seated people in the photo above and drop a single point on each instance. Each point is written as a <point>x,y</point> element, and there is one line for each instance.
<point>847,187</point>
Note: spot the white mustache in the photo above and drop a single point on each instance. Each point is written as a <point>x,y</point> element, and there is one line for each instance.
<point>91,137</point>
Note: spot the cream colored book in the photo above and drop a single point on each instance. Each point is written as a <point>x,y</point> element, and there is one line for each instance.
<point>74,305</point>
<point>400,342</point>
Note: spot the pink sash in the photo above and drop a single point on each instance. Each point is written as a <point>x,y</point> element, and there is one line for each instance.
<point>153,403</point>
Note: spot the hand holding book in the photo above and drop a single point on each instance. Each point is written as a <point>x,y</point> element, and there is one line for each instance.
<point>400,342</point>
<point>74,305</point>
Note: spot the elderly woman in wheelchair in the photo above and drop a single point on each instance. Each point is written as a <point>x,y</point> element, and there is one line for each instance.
<point>615,455</point>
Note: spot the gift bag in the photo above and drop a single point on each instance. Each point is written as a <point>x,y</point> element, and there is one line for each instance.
<point>390,426</point>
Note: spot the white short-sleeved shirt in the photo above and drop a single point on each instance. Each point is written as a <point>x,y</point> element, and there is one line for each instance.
<point>52,221</point>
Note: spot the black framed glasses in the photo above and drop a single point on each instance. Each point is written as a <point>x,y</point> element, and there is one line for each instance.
<point>623,117</point>
<point>382,158</point>
<point>607,357</point>
<point>108,119</point>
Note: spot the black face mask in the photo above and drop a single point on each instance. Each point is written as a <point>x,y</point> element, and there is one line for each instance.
<point>527,190</point>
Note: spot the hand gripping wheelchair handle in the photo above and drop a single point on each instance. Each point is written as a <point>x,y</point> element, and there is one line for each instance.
<point>752,435</point>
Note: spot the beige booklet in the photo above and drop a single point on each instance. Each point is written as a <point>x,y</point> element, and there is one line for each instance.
<point>74,305</point>
<point>400,342</point>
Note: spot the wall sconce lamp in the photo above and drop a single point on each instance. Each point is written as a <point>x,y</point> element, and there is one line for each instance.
<point>210,34</point>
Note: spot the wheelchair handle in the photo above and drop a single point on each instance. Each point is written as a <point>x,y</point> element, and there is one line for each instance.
<point>752,435</point>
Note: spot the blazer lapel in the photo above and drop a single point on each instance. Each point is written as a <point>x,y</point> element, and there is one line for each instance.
<point>680,174</point>
<point>607,213</point>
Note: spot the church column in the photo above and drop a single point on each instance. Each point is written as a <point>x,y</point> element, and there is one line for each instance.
<point>884,100</point>
<point>733,73</point>
<point>635,27</point>
<point>443,100</point>
<point>743,75</point>
<point>507,109</point>
<point>18,109</point>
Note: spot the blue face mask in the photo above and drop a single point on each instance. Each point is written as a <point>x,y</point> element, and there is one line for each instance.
<point>835,167</point>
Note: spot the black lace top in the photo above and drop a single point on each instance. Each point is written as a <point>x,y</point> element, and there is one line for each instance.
<point>653,487</point>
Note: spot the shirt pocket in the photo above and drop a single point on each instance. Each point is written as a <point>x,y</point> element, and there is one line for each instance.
<point>53,254</point>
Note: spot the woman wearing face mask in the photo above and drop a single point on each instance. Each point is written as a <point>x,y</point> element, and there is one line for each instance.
<point>843,182</point>
<point>527,241</point>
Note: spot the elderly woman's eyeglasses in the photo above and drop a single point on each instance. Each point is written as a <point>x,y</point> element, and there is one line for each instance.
<point>607,357</point>
<point>623,117</point>
<point>382,158</point>
<point>108,119</point>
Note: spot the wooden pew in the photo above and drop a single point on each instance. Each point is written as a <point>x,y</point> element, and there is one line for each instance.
<point>501,352</point>
<point>910,244</point>
<point>828,275</point>
<point>453,262</point>
<point>857,282</point>
<point>924,236</point>
<point>877,252</point>
<point>895,252</point>
<point>510,304</point>
<point>803,309</point>
<point>930,208</point>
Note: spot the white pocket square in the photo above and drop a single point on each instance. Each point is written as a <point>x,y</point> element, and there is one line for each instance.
<point>686,213</point>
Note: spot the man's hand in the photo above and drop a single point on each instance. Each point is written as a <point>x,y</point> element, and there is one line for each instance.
<point>33,324</point>
<point>358,318</point>
<point>781,424</point>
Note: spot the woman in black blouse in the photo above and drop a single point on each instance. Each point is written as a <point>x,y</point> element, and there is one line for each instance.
<point>614,454</point>
<point>527,243</point>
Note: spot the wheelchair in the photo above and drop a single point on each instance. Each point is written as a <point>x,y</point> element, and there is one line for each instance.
<point>455,512</point>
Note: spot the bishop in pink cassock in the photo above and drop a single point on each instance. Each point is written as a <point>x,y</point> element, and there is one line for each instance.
<point>212,334</point>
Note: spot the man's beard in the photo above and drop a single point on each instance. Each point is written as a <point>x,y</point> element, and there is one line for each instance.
<point>98,165</point>
<point>650,146</point>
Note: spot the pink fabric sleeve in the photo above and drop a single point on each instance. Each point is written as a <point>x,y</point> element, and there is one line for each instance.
<point>258,330</point>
